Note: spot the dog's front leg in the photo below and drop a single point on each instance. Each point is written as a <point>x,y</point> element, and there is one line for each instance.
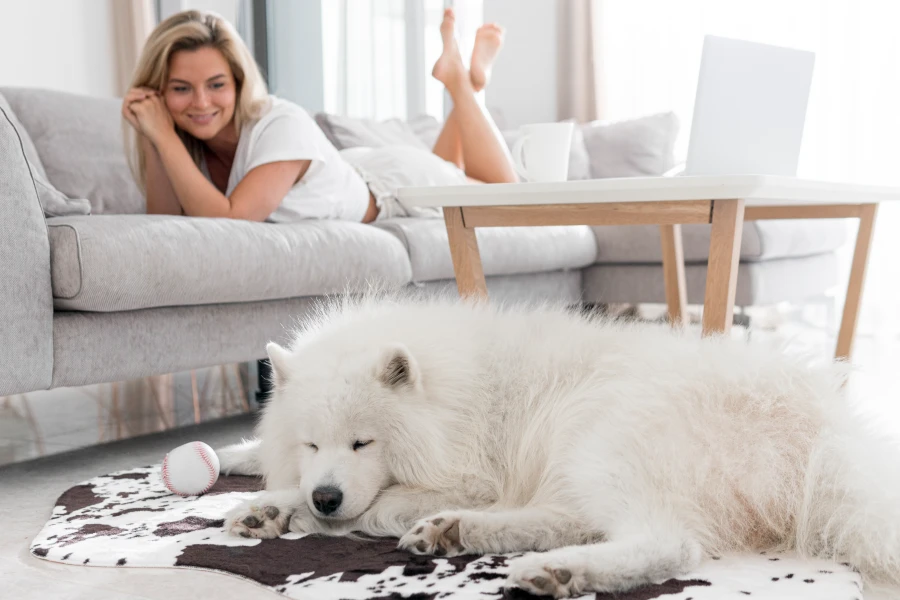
<point>619,565</point>
<point>399,507</point>
<point>271,514</point>
<point>454,532</point>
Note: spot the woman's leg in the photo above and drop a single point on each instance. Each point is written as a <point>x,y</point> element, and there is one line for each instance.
<point>469,130</point>
<point>449,145</point>
<point>488,40</point>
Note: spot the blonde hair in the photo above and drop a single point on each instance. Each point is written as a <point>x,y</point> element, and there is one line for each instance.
<point>190,30</point>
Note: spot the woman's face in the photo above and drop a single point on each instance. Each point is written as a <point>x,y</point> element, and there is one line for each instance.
<point>200,93</point>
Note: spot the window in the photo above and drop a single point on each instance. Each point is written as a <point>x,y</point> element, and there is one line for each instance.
<point>378,54</point>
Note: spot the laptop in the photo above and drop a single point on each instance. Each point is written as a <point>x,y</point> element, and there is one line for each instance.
<point>749,109</point>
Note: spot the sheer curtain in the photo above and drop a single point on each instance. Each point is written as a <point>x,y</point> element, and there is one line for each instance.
<point>648,52</point>
<point>378,55</point>
<point>134,21</point>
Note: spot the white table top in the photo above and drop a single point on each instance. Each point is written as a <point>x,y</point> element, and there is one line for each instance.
<point>756,190</point>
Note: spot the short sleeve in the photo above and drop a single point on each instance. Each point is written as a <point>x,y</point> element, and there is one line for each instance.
<point>284,137</point>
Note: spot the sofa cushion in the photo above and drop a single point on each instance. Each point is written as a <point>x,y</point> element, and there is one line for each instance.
<point>79,140</point>
<point>761,240</point>
<point>109,263</point>
<point>53,202</point>
<point>504,250</point>
<point>633,147</point>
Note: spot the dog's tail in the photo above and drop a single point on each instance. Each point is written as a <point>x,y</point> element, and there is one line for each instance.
<point>851,511</point>
<point>240,459</point>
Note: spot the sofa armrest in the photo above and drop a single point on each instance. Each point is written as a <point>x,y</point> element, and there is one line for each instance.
<point>26,298</point>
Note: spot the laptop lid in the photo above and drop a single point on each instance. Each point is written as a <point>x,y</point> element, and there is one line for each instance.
<point>749,109</point>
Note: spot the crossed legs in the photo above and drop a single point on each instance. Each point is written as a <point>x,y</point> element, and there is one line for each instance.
<point>470,139</point>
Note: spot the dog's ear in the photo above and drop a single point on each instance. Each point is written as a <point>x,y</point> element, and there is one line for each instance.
<point>398,369</point>
<point>280,359</point>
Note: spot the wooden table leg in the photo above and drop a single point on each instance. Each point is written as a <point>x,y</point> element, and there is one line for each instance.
<point>724,256</point>
<point>466,258</point>
<point>673,273</point>
<point>867,214</point>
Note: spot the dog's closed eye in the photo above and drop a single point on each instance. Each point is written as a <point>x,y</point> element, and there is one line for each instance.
<point>358,444</point>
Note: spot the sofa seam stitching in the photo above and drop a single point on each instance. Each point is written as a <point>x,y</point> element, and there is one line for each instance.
<point>80,265</point>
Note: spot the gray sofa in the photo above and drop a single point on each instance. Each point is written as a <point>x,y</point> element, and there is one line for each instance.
<point>117,294</point>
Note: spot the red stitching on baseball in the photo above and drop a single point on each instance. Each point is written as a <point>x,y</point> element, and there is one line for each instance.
<point>165,476</point>
<point>212,471</point>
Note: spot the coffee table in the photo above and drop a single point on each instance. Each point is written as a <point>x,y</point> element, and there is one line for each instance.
<point>723,201</point>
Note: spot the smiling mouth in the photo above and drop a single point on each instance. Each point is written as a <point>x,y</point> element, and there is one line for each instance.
<point>202,119</point>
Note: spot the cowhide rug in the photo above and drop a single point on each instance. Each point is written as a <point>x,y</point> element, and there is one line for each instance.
<point>129,519</point>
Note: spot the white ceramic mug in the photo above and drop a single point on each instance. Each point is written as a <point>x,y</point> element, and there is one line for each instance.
<point>542,151</point>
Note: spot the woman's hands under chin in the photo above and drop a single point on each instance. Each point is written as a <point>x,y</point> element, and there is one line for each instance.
<point>146,111</point>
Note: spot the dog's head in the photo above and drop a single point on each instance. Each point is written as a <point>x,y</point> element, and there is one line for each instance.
<point>336,409</point>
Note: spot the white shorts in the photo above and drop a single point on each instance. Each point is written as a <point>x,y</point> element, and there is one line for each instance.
<point>389,168</point>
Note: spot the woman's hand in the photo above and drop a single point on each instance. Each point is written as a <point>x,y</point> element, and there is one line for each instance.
<point>134,95</point>
<point>146,111</point>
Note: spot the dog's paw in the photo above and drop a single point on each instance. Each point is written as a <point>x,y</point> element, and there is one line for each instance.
<point>438,535</point>
<point>257,520</point>
<point>541,574</point>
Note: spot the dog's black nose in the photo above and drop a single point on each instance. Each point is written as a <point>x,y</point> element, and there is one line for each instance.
<point>327,499</point>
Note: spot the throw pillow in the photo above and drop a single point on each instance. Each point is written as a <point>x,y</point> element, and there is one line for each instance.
<point>426,128</point>
<point>53,202</point>
<point>349,132</point>
<point>633,147</point>
<point>79,139</point>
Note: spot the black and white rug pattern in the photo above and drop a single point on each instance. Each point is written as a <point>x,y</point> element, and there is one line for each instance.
<point>129,519</point>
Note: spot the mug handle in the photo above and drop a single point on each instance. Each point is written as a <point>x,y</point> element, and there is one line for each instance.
<point>518,156</point>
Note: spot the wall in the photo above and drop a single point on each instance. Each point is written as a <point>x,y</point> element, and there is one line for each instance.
<point>63,45</point>
<point>523,85</point>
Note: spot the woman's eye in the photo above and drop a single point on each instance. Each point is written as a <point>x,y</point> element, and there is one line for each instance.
<point>313,446</point>
<point>357,444</point>
<point>216,86</point>
<point>179,89</point>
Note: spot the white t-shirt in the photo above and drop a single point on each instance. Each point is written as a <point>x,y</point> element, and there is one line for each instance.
<point>330,188</point>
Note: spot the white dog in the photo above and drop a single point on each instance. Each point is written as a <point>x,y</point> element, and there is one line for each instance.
<point>627,452</point>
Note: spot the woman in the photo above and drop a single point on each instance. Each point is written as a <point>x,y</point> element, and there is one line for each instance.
<point>212,143</point>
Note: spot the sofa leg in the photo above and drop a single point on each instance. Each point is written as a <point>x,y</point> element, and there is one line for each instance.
<point>263,380</point>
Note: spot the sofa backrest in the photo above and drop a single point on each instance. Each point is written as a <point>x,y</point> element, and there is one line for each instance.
<point>79,141</point>
<point>629,148</point>
<point>26,298</point>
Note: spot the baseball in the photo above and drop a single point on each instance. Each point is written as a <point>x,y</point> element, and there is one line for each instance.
<point>191,469</point>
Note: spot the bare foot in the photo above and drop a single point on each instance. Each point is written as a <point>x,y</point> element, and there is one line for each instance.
<point>449,68</point>
<point>488,40</point>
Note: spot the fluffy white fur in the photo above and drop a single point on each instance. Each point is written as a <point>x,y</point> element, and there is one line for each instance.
<point>626,452</point>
